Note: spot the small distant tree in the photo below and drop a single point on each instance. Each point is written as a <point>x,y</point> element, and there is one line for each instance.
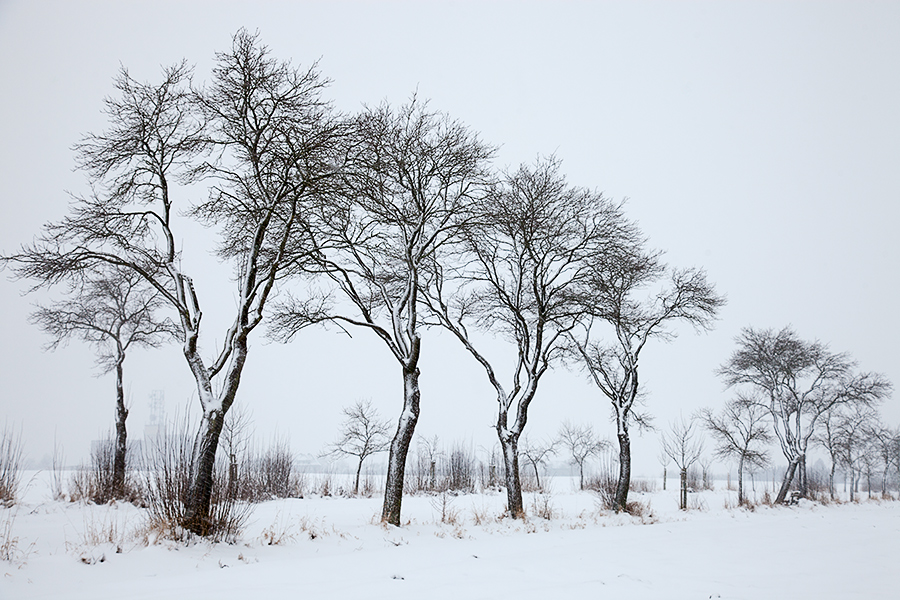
<point>581,443</point>
<point>536,454</point>
<point>113,310</point>
<point>664,460</point>
<point>741,432</point>
<point>853,442</point>
<point>680,443</point>
<point>363,434</point>
<point>883,440</point>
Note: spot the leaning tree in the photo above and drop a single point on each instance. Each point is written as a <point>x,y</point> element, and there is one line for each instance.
<point>113,310</point>
<point>523,263</point>
<point>261,137</point>
<point>799,382</point>
<point>410,179</point>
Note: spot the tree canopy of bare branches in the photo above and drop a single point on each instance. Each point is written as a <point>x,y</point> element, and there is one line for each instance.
<point>741,431</point>
<point>620,295</point>
<point>113,310</point>
<point>524,262</point>
<point>581,443</point>
<point>410,179</point>
<point>682,444</point>
<point>363,433</point>
<point>262,138</point>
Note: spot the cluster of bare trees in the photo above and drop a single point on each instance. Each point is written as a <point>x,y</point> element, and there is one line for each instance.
<point>392,221</point>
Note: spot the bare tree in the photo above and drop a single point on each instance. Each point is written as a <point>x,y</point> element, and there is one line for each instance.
<point>363,434</point>
<point>883,439</point>
<point>581,443</point>
<point>525,262</point>
<point>411,177</point>
<point>664,460</point>
<point>267,138</point>
<point>828,439</point>
<point>740,431</point>
<point>853,441</point>
<point>800,382</point>
<point>680,443</point>
<point>536,454</point>
<point>620,296</point>
<point>113,310</point>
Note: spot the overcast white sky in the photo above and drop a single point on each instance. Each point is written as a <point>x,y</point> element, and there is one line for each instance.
<point>760,141</point>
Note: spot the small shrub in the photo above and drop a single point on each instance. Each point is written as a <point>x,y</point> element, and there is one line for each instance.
<point>443,505</point>
<point>10,463</point>
<point>94,482</point>
<point>168,464</point>
<point>642,486</point>
<point>542,506</point>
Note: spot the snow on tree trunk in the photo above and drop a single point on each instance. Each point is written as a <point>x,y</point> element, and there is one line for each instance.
<point>786,481</point>
<point>118,481</point>
<point>393,487</point>
<point>197,509</point>
<point>624,471</point>
<point>509,443</point>
<point>740,480</point>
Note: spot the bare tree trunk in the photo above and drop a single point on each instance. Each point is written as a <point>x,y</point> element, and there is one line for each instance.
<point>741,481</point>
<point>197,510</point>
<point>831,480</point>
<point>537,478</point>
<point>786,481</point>
<point>664,478</point>
<point>393,487</point>
<point>509,443</point>
<point>624,471</point>
<point>118,481</point>
<point>196,517</point>
<point>682,497</point>
<point>804,482</point>
<point>356,483</point>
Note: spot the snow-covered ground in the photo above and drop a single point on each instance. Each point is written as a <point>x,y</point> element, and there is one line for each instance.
<point>335,548</point>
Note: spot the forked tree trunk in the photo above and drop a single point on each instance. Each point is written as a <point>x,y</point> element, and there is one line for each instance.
<point>203,455</point>
<point>118,480</point>
<point>393,487</point>
<point>624,471</point>
<point>509,443</point>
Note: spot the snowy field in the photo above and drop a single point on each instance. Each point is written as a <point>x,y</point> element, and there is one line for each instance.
<point>335,548</point>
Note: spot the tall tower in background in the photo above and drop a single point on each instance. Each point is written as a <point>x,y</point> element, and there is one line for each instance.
<point>157,420</point>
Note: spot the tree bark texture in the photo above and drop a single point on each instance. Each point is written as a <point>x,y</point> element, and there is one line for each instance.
<point>393,487</point>
<point>624,471</point>
<point>197,510</point>
<point>118,481</point>
<point>682,499</point>
<point>786,481</point>
<point>510,443</point>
